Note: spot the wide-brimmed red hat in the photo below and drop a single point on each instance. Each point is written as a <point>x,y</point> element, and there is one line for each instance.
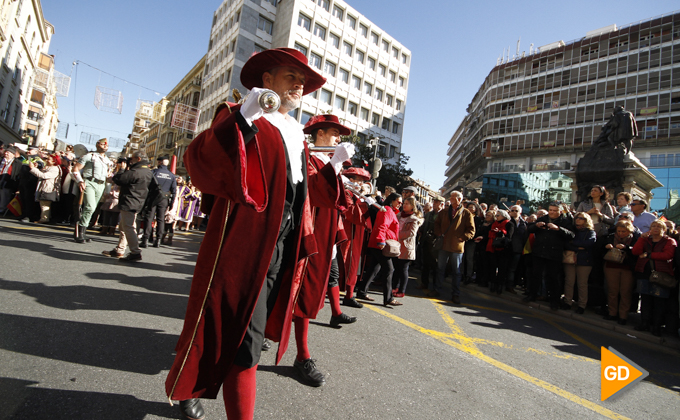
<point>325,121</point>
<point>259,63</point>
<point>357,172</point>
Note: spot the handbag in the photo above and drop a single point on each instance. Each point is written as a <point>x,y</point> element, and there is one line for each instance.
<point>615,255</point>
<point>48,196</point>
<point>660,278</point>
<point>499,242</point>
<point>392,248</point>
<point>568,257</point>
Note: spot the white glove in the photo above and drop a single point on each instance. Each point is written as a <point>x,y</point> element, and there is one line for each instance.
<point>369,201</point>
<point>250,109</point>
<point>343,151</point>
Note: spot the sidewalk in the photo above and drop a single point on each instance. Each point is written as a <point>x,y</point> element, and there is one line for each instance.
<point>589,317</point>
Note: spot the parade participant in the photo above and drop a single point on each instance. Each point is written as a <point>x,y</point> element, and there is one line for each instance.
<point>167,189</point>
<point>321,273</point>
<point>188,201</point>
<point>259,234</point>
<point>134,187</point>
<point>355,220</point>
<point>96,168</point>
<point>30,210</point>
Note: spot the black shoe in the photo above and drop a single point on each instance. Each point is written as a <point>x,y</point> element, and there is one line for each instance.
<point>85,237</point>
<point>144,243</point>
<point>79,236</point>
<point>610,317</point>
<point>266,345</point>
<point>191,409</point>
<point>529,298</point>
<point>309,372</point>
<point>169,242</point>
<point>580,310</point>
<point>113,253</point>
<point>156,243</point>
<point>342,319</point>
<point>352,303</point>
<point>455,299</point>
<point>622,321</point>
<point>132,257</point>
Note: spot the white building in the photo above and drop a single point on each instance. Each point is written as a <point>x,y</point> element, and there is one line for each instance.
<point>28,105</point>
<point>367,69</point>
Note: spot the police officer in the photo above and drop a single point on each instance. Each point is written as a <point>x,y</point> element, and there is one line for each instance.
<point>167,188</point>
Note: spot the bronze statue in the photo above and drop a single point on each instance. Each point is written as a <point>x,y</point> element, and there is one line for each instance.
<point>619,130</point>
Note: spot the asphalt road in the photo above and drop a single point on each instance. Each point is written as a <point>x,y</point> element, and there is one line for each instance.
<point>83,336</point>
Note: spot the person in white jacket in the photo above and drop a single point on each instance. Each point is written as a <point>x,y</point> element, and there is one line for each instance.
<point>48,189</point>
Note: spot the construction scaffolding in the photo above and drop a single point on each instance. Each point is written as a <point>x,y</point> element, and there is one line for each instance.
<point>185,117</point>
<point>108,100</point>
<point>62,83</point>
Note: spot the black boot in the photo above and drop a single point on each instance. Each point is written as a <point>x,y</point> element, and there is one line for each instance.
<point>156,243</point>
<point>163,238</point>
<point>144,243</point>
<point>78,235</point>
<point>85,237</point>
<point>169,241</point>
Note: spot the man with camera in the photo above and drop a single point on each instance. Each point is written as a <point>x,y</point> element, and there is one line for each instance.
<point>96,168</point>
<point>134,187</point>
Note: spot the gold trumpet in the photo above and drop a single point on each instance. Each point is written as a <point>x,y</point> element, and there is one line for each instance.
<point>355,189</point>
<point>268,100</point>
<point>322,149</point>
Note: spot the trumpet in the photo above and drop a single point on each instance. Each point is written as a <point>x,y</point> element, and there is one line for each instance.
<point>355,189</point>
<point>268,100</point>
<point>322,149</point>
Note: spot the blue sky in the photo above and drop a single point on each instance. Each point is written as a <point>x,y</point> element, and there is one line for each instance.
<point>454,46</point>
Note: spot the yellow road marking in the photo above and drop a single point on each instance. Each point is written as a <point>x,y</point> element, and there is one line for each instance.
<point>467,345</point>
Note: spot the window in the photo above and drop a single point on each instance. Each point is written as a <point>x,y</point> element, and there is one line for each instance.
<point>344,75</point>
<point>395,52</point>
<point>383,70</point>
<point>352,22</point>
<point>320,31</point>
<point>335,40</point>
<point>340,102</point>
<point>5,113</point>
<point>364,114</point>
<point>294,113</point>
<point>301,48</point>
<point>18,7</point>
<point>15,120</point>
<point>356,82</point>
<point>395,128</point>
<point>352,108</point>
<point>265,25</point>
<point>364,30</point>
<point>375,119</point>
<point>371,63</point>
<point>404,58</point>
<point>359,56</point>
<point>329,68</point>
<point>305,22</point>
<point>375,38</point>
<point>347,48</point>
<point>378,94</point>
<point>368,88</point>
<point>402,81</point>
<point>389,99</point>
<point>385,46</point>
<point>398,104</point>
<point>8,53</point>
<point>326,96</point>
<point>338,12</point>
<point>259,48</point>
<point>326,4</point>
<point>386,124</point>
<point>393,77</point>
<point>315,60</point>
<point>272,2</point>
<point>306,116</point>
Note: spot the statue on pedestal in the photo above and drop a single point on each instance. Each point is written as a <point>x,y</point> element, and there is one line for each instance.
<point>603,163</point>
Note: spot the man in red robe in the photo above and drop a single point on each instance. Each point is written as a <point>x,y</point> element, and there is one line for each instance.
<point>320,276</point>
<point>355,220</point>
<point>248,272</point>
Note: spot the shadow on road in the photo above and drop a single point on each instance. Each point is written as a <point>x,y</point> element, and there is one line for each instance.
<point>128,349</point>
<point>19,399</point>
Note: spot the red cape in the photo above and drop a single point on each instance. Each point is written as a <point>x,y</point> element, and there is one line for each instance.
<point>249,185</point>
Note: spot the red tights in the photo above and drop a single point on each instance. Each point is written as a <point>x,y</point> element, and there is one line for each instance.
<point>239,392</point>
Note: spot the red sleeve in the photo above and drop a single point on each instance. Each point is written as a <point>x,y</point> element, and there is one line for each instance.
<point>639,247</point>
<point>324,186</point>
<point>357,211</point>
<point>221,164</point>
<point>381,227</point>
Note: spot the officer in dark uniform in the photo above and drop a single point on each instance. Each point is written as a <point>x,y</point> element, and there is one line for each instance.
<point>167,188</point>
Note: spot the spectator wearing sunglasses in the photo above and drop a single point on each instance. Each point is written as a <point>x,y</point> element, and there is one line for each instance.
<point>643,219</point>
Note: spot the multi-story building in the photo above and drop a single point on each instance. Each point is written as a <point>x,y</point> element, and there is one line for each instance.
<point>542,111</point>
<point>366,68</point>
<point>28,105</point>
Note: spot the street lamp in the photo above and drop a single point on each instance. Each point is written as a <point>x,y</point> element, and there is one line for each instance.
<point>377,163</point>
